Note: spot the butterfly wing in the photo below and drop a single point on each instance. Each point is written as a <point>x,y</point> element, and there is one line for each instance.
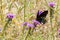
<point>44,14</point>
<point>41,17</point>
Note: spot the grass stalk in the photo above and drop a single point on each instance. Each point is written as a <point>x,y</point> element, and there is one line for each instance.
<point>24,12</point>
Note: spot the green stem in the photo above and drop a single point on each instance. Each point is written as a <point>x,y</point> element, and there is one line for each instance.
<point>24,13</point>
<point>1,13</point>
<point>57,4</point>
<point>6,25</point>
<point>27,34</point>
<point>3,32</point>
<point>10,6</point>
<point>24,9</point>
<point>18,11</point>
<point>51,16</point>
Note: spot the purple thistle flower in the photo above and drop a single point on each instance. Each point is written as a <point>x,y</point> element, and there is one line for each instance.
<point>35,22</point>
<point>25,23</point>
<point>30,25</point>
<point>10,16</point>
<point>39,12</point>
<point>51,4</point>
<point>59,30</point>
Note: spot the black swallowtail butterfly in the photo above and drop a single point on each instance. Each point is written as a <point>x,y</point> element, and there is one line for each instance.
<point>41,16</point>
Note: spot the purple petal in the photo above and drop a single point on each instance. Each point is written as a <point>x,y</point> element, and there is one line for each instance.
<point>10,15</point>
<point>35,22</point>
<point>30,25</point>
<point>25,23</point>
<point>51,4</point>
<point>59,30</point>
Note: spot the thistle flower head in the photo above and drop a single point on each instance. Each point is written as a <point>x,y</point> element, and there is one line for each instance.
<point>10,16</point>
<point>25,23</point>
<point>35,22</point>
<point>51,4</point>
<point>30,25</point>
<point>59,30</point>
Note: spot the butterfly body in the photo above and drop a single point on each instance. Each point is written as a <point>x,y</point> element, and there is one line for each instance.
<point>41,16</point>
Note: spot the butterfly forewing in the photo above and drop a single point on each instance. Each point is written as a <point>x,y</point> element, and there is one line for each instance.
<point>41,17</point>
